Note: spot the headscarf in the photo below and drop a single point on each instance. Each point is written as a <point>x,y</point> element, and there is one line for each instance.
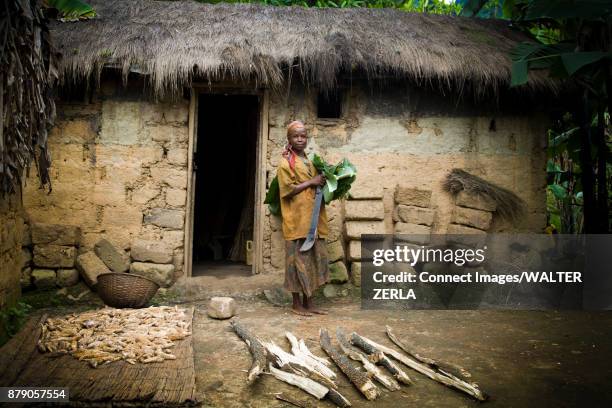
<point>288,152</point>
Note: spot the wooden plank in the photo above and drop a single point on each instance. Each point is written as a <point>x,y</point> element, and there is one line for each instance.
<point>260,183</point>
<point>193,128</point>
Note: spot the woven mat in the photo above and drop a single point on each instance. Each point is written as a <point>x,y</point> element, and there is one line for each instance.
<point>167,383</point>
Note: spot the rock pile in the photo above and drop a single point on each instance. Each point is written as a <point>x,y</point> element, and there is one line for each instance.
<point>49,254</point>
<point>413,215</point>
<point>51,257</point>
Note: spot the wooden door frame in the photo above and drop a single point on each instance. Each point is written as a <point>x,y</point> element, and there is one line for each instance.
<point>260,166</point>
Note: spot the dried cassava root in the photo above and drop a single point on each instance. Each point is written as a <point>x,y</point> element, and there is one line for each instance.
<point>106,335</point>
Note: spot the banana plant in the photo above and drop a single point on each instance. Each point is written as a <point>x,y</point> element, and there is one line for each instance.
<point>71,10</point>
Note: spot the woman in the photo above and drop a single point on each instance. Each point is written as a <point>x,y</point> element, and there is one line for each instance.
<point>298,179</point>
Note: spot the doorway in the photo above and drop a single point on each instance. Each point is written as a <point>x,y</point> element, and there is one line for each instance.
<point>224,164</point>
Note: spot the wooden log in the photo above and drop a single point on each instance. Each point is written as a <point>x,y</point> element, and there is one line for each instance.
<point>360,379</point>
<point>388,382</point>
<point>378,356</point>
<point>312,387</point>
<point>298,365</point>
<point>299,347</point>
<point>257,350</point>
<point>434,364</point>
<point>436,375</point>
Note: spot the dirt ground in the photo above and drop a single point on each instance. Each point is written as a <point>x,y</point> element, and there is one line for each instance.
<point>519,358</point>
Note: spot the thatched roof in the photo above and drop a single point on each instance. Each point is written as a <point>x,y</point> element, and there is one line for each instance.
<point>176,41</point>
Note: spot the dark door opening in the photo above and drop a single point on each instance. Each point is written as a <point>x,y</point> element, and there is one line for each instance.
<point>224,163</point>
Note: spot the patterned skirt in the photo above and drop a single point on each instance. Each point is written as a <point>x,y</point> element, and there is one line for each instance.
<point>305,271</point>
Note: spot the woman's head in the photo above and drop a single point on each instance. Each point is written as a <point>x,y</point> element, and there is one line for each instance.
<point>296,136</point>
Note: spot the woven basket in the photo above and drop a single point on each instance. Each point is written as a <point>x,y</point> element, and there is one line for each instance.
<point>125,289</point>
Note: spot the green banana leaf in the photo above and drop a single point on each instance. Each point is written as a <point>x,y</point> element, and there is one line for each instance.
<point>72,10</point>
<point>338,178</point>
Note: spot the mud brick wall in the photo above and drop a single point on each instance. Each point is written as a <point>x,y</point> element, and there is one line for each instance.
<point>120,160</point>
<point>119,169</point>
<point>11,235</point>
<point>411,138</point>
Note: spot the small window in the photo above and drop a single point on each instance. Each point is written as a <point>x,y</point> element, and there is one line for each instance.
<point>329,104</point>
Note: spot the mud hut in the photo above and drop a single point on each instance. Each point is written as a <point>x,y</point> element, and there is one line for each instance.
<point>172,117</point>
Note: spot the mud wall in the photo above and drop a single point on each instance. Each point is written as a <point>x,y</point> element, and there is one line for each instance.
<point>11,235</point>
<point>402,136</point>
<point>119,169</point>
<point>120,159</point>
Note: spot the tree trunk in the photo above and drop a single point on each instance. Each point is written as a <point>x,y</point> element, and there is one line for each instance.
<point>586,166</point>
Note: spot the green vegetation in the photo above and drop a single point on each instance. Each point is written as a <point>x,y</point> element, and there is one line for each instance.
<point>12,319</point>
<point>338,178</point>
<point>417,6</point>
<point>572,44</point>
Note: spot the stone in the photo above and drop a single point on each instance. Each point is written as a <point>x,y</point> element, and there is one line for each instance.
<point>115,258</point>
<point>460,234</point>
<point>362,191</point>
<point>90,266</point>
<point>26,239</point>
<point>54,256</point>
<point>329,291</point>
<point>177,157</point>
<point>43,278</point>
<point>26,257</point>
<point>278,296</point>
<point>356,273</point>
<point>472,218</point>
<point>55,234</point>
<point>26,278</point>
<point>354,251</point>
<point>221,307</point>
<point>355,229</point>
<point>475,201</point>
<point>338,272</point>
<point>163,274</point>
<point>420,234</point>
<point>173,219</point>
<point>412,196</point>
<point>364,210</point>
<point>67,277</point>
<point>151,251</point>
<point>413,215</point>
<point>173,177</point>
<point>335,251</point>
<point>277,250</point>
<point>176,197</point>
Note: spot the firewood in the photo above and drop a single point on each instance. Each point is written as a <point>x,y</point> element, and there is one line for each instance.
<point>370,367</point>
<point>299,347</point>
<point>300,366</point>
<point>434,364</point>
<point>352,371</point>
<point>311,387</point>
<point>378,356</point>
<point>436,375</point>
<point>257,350</point>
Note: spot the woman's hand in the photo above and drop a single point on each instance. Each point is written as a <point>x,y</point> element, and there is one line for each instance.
<point>318,180</point>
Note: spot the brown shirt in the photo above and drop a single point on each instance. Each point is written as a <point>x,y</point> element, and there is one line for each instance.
<point>297,210</point>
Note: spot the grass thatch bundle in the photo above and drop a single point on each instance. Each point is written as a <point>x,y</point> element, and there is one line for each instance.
<point>178,42</point>
<point>509,206</point>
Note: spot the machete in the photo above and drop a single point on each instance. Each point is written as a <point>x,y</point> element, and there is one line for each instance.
<point>314,221</point>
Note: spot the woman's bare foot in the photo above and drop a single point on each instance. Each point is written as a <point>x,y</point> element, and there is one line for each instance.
<point>297,307</point>
<point>313,309</point>
<point>310,307</point>
<point>300,311</point>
